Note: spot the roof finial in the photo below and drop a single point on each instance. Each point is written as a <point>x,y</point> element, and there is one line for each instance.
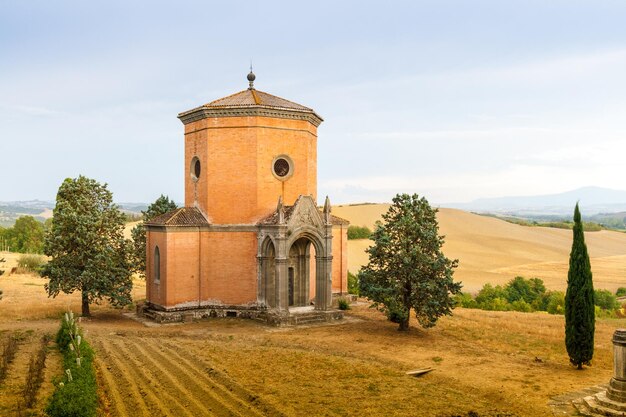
<point>251,77</point>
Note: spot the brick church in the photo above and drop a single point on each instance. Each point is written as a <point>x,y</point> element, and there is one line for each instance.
<point>252,238</point>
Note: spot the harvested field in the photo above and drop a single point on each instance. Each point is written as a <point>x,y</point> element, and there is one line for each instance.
<point>495,251</point>
<point>11,389</point>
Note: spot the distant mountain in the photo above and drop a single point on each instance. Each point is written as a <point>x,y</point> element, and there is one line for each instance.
<point>10,211</point>
<point>593,200</point>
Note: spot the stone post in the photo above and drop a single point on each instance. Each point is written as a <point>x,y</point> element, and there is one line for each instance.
<point>617,386</point>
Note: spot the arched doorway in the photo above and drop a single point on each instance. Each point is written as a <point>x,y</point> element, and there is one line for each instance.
<point>300,269</point>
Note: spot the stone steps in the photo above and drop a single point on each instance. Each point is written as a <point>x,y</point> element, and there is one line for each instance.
<point>598,406</point>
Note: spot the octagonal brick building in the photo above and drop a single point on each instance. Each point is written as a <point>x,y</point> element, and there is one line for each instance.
<point>251,236</point>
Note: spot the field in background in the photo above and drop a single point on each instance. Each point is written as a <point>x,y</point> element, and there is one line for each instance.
<point>495,251</point>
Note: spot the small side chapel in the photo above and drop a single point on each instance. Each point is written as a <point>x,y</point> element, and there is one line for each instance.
<point>250,238</point>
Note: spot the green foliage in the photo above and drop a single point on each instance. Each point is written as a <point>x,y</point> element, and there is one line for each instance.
<point>138,253</point>
<point>488,293</point>
<point>579,300</point>
<point>359,232</point>
<point>606,300</point>
<point>353,283</point>
<point>519,294</point>
<point>465,300</point>
<point>26,235</point>
<point>76,395</point>
<point>521,305</point>
<point>556,302</point>
<point>87,246</point>
<point>621,292</point>
<point>343,304</point>
<point>31,263</point>
<point>407,269</point>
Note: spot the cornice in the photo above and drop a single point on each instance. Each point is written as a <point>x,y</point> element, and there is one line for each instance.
<point>204,112</point>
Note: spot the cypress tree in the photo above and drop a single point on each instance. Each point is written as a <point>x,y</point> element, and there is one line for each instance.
<point>579,302</point>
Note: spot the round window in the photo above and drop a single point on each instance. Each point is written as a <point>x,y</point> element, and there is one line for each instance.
<point>195,168</point>
<point>282,167</point>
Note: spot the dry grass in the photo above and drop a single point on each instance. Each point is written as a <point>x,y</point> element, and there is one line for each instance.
<point>492,250</point>
<point>25,298</point>
<point>484,362</point>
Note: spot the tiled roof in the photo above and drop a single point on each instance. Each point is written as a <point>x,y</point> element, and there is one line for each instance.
<point>273,218</point>
<point>338,220</point>
<point>252,97</point>
<point>184,216</point>
<point>251,102</point>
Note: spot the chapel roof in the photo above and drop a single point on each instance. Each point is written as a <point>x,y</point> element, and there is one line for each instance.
<point>184,216</point>
<point>251,102</point>
<point>289,210</point>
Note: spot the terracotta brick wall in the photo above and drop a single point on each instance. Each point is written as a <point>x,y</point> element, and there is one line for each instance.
<point>340,259</point>
<point>231,267</point>
<point>236,155</point>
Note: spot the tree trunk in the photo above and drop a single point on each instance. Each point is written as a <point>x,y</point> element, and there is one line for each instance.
<point>580,366</point>
<point>85,305</point>
<point>404,324</point>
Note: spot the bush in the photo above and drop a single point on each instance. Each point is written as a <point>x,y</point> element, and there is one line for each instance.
<point>495,304</point>
<point>621,292</point>
<point>605,300</point>
<point>353,283</point>
<point>358,232</point>
<point>465,300</point>
<point>489,293</point>
<point>31,263</point>
<point>556,302</point>
<point>76,394</point>
<point>521,305</point>
<point>343,304</point>
<point>529,290</point>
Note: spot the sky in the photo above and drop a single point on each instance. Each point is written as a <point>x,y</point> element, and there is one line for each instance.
<point>453,100</point>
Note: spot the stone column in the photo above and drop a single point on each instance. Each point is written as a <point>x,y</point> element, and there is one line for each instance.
<point>281,280</point>
<point>617,386</point>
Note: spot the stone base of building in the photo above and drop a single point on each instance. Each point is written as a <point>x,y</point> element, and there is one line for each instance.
<point>293,317</point>
<point>599,405</point>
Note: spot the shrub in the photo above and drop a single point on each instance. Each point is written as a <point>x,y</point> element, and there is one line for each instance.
<point>605,300</point>
<point>488,293</point>
<point>529,290</point>
<point>465,300</point>
<point>353,283</point>
<point>76,394</point>
<point>521,305</point>
<point>343,304</point>
<point>495,304</point>
<point>31,263</point>
<point>621,292</point>
<point>556,302</point>
<point>358,232</point>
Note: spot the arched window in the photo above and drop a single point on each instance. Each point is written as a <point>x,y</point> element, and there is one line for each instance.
<point>157,265</point>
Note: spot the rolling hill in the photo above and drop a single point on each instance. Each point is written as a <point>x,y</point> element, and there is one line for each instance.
<point>495,251</point>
